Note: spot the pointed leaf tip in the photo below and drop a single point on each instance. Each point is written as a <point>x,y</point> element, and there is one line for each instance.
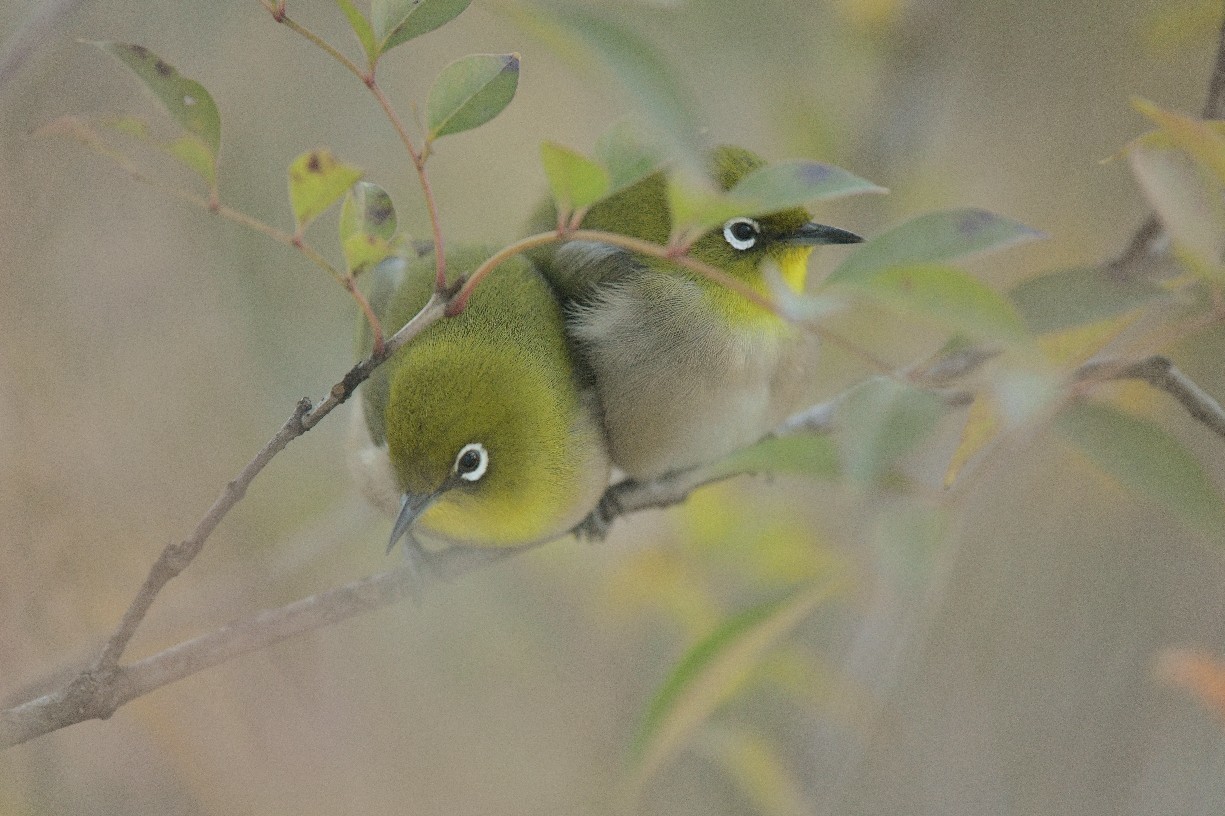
<point>471,91</point>
<point>188,102</point>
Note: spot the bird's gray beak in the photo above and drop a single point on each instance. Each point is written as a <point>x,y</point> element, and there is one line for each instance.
<point>813,234</point>
<point>412,505</point>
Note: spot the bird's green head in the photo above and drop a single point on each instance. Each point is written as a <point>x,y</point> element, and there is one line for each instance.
<point>485,427</point>
<point>742,245</point>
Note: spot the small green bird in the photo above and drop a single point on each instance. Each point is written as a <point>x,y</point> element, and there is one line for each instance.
<point>687,370</point>
<point>480,431</point>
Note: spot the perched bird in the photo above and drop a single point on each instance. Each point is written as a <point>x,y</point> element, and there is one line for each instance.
<point>479,432</point>
<point>687,370</point>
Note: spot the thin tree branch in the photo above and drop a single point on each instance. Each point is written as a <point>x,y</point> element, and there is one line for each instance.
<point>104,686</point>
<point>1161,373</point>
<point>1149,235</point>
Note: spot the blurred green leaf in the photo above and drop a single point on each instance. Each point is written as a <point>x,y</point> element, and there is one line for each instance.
<point>769,189</point>
<point>192,152</point>
<point>949,296</point>
<point>1076,297</point>
<point>882,421</point>
<point>186,148</point>
<point>627,157</point>
<point>187,101</point>
<point>1203,143</point>
<point>1188,200</point>
<point>812,455</point>
<point>471,91</point>
<point>317,180</point>
<point>585,38</point>
<point>575,180</point>
<point>367,226</point>
<point>398,21</point>
<point>933,238</point>
<point>758,770</point>
<point>361,28</point>
<point>1147,460</point>
<point>711,672</point>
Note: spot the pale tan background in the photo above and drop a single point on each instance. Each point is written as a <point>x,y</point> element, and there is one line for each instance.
<point>147,350</point>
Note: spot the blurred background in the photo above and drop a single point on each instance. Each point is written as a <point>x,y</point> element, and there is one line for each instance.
<point>1003,662</point>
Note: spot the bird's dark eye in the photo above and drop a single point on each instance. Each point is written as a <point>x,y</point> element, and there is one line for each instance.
<point>472,462</point>
<point>741,233</point>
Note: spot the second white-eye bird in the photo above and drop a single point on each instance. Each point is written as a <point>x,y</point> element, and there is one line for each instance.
<point>687,370</point>
<point>480,431</point>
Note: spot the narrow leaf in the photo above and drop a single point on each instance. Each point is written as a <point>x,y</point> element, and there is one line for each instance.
<point>471,91</point>
<point>882,422</point>
<point>398,21</point>
<point>800,454</point>
<point>1188,201</point>
<point>626,156</point>
<point>586,38</point>
<point>363,31</point>
<point>947,295</point>
<point>367,226</point>
<point>317,180</point>
<point>934,238</point>
<point>575,180</point>
<point>1075,297</point>
<point>981,428</point>
<point>186,100</point>
<point>709,674</point>
<point>1149,461</point>
<point>1203,143</point>
<point>772,188</point>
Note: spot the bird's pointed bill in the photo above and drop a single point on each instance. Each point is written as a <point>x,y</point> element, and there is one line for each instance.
<point>412,505</point>
<point>814,234</point>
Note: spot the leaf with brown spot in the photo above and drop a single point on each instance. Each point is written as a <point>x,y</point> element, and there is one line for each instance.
<point>317,180</point>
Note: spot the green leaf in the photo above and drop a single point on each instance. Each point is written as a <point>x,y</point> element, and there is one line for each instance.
<point>317,180</point>
<point>1147,460</point>
<point>947,295</point>
<point>471,91</point>
<point>186,148</point>
<point>775,187</point>
<point>933,238</point>
<point>800,454</point>
<point>710,673</point>
<point>575,180</point>
<point>187,101</point>
<point>1188,200</point>
<point>367,226</point>
<point>361,27</point>
<point>1201,140</point>
<point>883,421</point>
<point>627,157</point>
<point>586,38</point>
<point>1076,297</point>
<point>195,155</point>
<point>398,21</point>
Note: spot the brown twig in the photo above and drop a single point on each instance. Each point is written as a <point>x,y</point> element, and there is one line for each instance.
<point>1161,373</point>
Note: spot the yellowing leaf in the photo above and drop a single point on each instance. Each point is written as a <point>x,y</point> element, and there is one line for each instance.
<point>982,426</point>
<point>317,180</point>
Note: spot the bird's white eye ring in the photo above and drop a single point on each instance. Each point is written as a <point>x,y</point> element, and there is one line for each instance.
<point>472,462</point>
<point>741,233</point>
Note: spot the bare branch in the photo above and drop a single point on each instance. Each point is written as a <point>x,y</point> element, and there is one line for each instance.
<point>175,557</point>
<point>1161,373</point>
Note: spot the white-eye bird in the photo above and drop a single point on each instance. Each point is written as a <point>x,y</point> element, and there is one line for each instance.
<point>480,431</point>
<point>686,369</point>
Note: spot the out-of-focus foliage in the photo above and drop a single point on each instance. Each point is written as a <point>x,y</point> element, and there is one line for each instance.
<point>1011,585</point>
